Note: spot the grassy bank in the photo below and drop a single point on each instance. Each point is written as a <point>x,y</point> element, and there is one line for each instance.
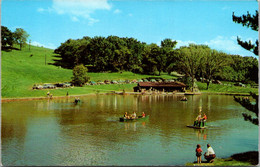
<point>216,88</point>
<point>241,159</point>
<point>22,69</point>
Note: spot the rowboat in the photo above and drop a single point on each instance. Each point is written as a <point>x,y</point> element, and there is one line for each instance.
<point>139,118</point>
<point>196,127</point>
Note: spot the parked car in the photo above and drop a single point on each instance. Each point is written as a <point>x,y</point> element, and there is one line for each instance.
<point>92,83</point>
<point>127,81</point>
<point>37,86</point>
<point>100,82</point>
<point>107,82</point>
<point>134,81</point>
<point>114,82</point>
<point>121,81</point>
<point>48,86</point>
<point>67,84</point>
<point>240,84</point>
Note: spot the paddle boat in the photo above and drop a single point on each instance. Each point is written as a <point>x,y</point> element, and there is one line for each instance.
<point>196,127</point>
<point>202,125</point>
<point>76,101</point>
<point>184,99</point>
<point>122,119</point>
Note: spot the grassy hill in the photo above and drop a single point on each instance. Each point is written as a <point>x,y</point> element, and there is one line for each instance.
<point>22,69</point>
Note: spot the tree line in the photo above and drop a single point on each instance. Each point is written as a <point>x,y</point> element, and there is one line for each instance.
<point>113,54</point>
<point>9,38</point>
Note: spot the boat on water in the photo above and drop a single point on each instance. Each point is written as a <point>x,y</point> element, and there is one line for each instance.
<point>184,99</point>
<point>196,127</point>
<point>77,101</point>
<point>122,119</point>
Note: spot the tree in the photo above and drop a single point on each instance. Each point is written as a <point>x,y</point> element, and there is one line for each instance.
<point>149,58</point>
<point>252,22</point>
<point>20,37</point>
<point>167,46</point>
<point>6,37</point>
<point>248,21</point>
<point>212,63</point>
<point>80,75</point>
<point>245,102</point>
<point>189,60</point>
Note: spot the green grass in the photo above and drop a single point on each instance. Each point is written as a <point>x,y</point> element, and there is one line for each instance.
<point>222,162</point>
<point>216,88</point>
<point>241,159</point>
<point>20,71</point>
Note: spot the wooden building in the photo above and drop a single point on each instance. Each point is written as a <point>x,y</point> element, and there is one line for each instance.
<point>163,86</point>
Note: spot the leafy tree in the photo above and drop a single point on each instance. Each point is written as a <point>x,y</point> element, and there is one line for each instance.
<point>149,58</point>
<point>20,37</point>
<point>212,63</point>
<point>80,75</point>
<point>248,21</point>
<point>167,48</point>
<point>6,37</point>
<point>134,60</point>
<point>189,60</point>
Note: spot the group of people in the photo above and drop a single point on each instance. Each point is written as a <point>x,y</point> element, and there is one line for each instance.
<point>133,116</point>
<point>200,121</point>
<point>209,155</point>
<point>184,98</point>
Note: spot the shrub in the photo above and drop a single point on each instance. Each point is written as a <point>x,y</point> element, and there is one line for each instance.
<point>80,75</point>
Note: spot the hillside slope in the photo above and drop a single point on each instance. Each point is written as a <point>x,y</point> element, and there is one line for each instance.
<point>20,70</point>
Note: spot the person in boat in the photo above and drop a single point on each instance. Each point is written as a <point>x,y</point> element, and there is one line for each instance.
<point>77,100</point>
<point>48,93</point>
<point>143,114</point>
<point>134,115</point>
<point>126,116</point>
<point>197,121</point>
<point>184,98</point>
<point>198,153</point>
<point>210,154</point>
<point>204,119</point>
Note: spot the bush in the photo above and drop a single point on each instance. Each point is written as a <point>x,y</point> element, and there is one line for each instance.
<point>80,75</point>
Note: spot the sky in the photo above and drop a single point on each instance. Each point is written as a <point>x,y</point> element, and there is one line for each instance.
<point>51,22</point>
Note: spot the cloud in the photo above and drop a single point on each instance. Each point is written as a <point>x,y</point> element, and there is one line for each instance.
<point>183,43</point>
<point>117,11</point>
<point>49,45</point>
<point>226,44</point>
<point>77,9</point>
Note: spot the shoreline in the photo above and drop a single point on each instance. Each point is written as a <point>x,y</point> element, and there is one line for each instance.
<point>249,158</point>
<point>119,93</point>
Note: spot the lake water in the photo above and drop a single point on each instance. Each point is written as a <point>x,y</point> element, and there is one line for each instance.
<point>58,132</point>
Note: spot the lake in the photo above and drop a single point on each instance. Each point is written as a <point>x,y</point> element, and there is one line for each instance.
<point>58,132</point>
